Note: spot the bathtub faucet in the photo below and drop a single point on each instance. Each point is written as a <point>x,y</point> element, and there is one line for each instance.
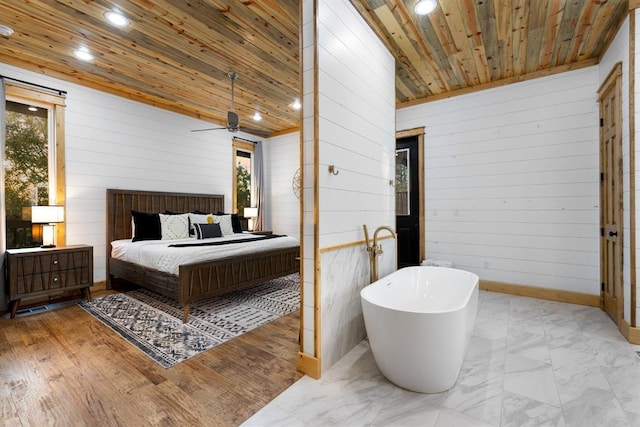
<point>375,249</point>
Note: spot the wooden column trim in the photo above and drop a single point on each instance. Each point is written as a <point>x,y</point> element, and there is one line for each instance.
<point>632,334</point>
<point>317,338</point>
<point>309,365</point>
<point>632,166</point>
<point>634,4</point>
<point>61,182</point>
<point>301,166</point>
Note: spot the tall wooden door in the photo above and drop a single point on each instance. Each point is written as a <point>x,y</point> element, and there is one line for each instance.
<point>611,226</point>
<point>407,202</point>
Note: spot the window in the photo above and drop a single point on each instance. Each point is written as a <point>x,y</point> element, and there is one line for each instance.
<point>34,138</point>
<point>242,160</point>
<point>402,182</point>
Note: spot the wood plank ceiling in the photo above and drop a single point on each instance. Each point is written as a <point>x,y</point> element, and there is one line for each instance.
<point>176,54</point>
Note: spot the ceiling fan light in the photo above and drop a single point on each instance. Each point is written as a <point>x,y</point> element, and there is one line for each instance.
<point>5,31</point>
<point>116,18</point>
<point>83,54</point>
<point>424,7</point>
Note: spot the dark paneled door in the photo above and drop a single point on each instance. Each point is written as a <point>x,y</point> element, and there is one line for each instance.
<point>407,201</point>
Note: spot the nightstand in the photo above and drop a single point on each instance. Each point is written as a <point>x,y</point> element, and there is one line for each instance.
<point>262,233</point>
<point>36,272</point>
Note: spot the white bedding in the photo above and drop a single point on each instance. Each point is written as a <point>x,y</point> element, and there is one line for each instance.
<point>158,255</point>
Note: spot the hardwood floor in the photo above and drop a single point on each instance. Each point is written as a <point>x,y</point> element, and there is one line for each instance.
<point>64,367</point>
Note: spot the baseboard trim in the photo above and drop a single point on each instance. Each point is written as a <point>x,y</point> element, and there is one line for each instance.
<point>309,365</point>
<point>542,293</point>
<point>631,333</point>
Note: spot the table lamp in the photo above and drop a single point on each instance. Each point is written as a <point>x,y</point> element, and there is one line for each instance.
<point>48,216</point>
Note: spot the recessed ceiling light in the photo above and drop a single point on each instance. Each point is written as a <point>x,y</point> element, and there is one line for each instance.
<point>257,116</point>
<point>5,31</point>
<point>116,18</point>
<point>424,7</point>
<point>83,54</point>
<point>296,104</point>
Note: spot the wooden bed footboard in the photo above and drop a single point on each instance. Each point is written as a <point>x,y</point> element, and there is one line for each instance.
<point>204,280</point>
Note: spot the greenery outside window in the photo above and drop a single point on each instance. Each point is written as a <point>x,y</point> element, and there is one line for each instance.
<point>242,161</point>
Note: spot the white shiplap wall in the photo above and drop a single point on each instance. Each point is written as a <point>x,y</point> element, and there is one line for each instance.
<point>112,142</point>
<point>282,159</point>
<point>357,126</point>
<point>512,181</point>
<point>349,125</point>
<point>618,51</point>
<point>356,132</point>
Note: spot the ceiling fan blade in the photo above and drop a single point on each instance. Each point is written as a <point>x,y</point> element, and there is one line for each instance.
<point>204,130</point>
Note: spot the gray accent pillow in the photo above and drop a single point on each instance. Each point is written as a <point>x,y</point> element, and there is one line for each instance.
<point>206,231</point>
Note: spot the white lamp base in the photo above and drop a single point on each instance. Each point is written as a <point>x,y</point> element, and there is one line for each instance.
<point>48,236</point>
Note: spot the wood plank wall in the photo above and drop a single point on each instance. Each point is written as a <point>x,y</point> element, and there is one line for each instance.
<point>512,181</point>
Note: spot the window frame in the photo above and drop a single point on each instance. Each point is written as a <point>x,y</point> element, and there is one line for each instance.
<point>56,106</point>
<point>247,147</point>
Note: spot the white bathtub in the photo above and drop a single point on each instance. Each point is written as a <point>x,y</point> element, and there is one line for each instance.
<point>419,321</point>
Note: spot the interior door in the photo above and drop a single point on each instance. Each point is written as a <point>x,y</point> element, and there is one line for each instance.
<point>611,196</point>
<point>407,202</point>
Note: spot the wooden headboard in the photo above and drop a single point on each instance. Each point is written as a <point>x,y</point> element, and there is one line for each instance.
<point>120,203</point>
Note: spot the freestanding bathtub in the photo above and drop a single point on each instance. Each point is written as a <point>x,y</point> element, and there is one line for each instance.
<point>419,321</point>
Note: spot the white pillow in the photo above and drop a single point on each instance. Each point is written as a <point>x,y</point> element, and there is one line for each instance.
<point>174,226</point>
<point>199,219</point>
<point>226,227</point>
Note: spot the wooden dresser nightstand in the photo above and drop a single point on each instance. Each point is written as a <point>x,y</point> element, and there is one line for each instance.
<point>36,272</point>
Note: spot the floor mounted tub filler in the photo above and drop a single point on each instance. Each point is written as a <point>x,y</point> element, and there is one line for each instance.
<point>419,321</point>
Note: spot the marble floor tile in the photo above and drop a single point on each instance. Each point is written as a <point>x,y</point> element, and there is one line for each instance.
<point>520,411</point>
<point>531,378</point>
<point>450,418</point>
<point>529,363</point>
<point>625,382</point>
<point>595,408</point>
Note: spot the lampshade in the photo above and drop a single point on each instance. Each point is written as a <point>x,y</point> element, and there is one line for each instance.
<point>250,212</point>
<point>47,214</point>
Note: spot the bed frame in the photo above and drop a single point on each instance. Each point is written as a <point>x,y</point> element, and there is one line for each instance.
<point>197,281</point>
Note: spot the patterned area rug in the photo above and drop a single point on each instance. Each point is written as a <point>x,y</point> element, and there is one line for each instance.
<point>153,323</point>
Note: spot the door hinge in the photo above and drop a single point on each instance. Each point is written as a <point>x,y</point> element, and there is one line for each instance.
<point>601,176</point>
<point>602,287</point>
<point>601,122</point>
<point>601,232</point>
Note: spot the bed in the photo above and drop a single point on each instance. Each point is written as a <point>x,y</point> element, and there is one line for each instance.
<point>195,281</point>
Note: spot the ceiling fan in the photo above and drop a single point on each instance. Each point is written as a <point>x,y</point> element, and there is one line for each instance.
<point>233,123</point>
